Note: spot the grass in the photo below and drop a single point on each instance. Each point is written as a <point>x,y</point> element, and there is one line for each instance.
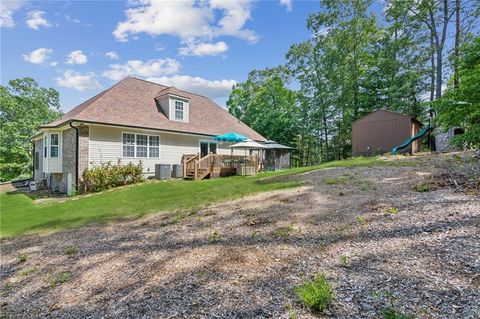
<point>361,220</point>
<point>22,258</point>
<point>55,280</point>
<point>345,261</point>
<point>391,313</point>
<point>71,250</point>
<point>393,210</point>
<point>20,214</point>
<point>421,187</point>
<point>316,294</point>
<point>286,231</point>
<point>27,271</point>
<point>214,237</point>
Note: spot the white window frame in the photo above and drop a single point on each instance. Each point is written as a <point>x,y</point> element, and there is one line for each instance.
<point>172,109</point>
<point>200,141</point>
<point>135,145</point>
<point>53,146</point>
<point>182,110</point>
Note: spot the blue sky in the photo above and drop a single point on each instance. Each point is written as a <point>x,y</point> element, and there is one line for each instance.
<point>83,47</point>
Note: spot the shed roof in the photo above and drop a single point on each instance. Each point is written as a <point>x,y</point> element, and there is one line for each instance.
<point>387,112</point>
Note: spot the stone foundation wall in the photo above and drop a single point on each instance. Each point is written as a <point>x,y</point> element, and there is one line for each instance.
<point>83,145</point>
<point>38,173</point>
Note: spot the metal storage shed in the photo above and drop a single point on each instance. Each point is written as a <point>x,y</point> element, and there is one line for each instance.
<point>380,131</point>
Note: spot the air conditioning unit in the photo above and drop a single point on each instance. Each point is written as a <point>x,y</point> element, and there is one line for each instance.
<point>163,171</point>
<point>177,171</point>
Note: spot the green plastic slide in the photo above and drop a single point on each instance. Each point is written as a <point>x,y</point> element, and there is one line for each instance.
<point>420,134</point>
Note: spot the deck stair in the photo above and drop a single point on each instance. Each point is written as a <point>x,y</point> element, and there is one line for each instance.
<point>211,165</point>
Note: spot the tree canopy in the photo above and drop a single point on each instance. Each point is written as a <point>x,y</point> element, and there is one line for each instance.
<point>358,61</point>
<point>24,106</point>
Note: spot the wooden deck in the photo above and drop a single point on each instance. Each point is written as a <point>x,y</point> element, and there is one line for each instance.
<point>215,165</point>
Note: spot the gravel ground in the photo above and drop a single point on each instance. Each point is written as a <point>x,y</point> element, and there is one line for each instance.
<point>418,253</point>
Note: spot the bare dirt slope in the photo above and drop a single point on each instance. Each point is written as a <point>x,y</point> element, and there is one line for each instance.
<point>416,252</point>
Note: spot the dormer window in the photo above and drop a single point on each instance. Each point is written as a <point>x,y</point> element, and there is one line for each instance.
<point>179,110</point>
<point>174,103</point>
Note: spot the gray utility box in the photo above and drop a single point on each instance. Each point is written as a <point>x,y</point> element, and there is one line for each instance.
<point>162,171</point>
<point>177,171</point>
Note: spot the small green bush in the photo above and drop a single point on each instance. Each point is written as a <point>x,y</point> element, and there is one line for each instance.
<point>421,187</point>
<point>214,236</point>
<point>27,271</point>
<point>105,176</point>
<point>361,220</point>
<point>71,250</point>
<point>391,313</point>
<point>316,294</point>
<point>393,210</point>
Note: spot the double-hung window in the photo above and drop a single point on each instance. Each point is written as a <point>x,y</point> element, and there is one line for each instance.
<point>153,146</point>
<point>128,141</point>
<point>54,145</point>
<point>140,145</point>
<point>179,110</point>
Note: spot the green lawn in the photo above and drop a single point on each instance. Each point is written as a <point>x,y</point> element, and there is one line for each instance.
<point>19,214</point>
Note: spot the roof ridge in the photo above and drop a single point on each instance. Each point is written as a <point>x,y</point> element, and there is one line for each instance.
<point>168,86</point>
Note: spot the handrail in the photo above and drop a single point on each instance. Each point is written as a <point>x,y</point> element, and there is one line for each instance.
<point>209,162</point>
<point>187,163</point>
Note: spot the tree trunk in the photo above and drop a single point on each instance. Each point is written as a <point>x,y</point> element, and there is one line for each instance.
<point>432,66</point>
<point>457,44</point>
<point>325,132</point>
<point>439,73</point>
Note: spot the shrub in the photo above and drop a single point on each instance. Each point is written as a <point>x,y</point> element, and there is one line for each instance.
<point>105,176</point>
<point>27,271</point>
<point>316,294</point>
<point>393,210</point>
<point>390,313</point>
<point>421,187</point>
<point>214,236</point>
<point>71,250</point>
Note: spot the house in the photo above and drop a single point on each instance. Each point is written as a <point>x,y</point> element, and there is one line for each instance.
<point>380,131</point>
<point>134,120</point>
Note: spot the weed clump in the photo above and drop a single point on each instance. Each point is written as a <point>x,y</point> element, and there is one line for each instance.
<point>316,294</point>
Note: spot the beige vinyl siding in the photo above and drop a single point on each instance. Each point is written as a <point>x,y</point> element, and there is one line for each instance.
<point>106,145</point>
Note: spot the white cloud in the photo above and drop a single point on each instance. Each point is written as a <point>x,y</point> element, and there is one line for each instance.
<point>78,81</point>
<point>202,49</point>
<point>35,20</point>
<point>212,89</point>
<point>76,57</point>
<point>288,4</point>
<point>38,56</point>
<point>159,47</point>
<point>76,21</point>
<point>150,68</point>
<point>112,55</point>
<point>188,20</point>
<point>7,9</point>
<point>54,63</point>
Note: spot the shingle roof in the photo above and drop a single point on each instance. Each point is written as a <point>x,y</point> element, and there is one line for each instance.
<point>131,102</point>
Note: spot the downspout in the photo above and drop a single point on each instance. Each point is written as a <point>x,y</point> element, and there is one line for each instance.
<point>33,160</point>
<point>76,155</point>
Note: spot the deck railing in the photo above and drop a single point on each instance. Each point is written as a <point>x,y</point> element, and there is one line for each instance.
<point>193,162</point>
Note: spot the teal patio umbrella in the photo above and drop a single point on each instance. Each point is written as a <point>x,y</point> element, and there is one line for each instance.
<point>231,137</point>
